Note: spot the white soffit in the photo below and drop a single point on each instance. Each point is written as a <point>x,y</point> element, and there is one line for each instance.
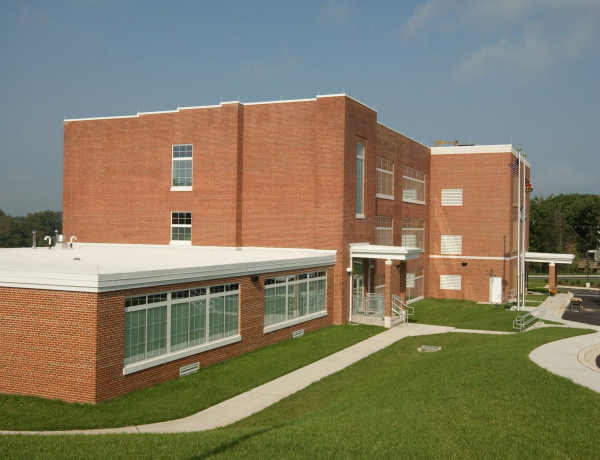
<point>549,258</point>
<point>112,267</point>
<point>372,251</point>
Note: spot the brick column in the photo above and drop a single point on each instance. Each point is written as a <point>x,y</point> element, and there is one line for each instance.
<point>388,294</point>
<point>552,281</point>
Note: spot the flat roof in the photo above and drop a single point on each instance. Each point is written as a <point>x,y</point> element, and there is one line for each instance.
<point>476,149</point>
<point>92,267</point>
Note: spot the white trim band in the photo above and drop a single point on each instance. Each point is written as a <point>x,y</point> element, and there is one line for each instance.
<point>471,257</point>
<point>293,322</point>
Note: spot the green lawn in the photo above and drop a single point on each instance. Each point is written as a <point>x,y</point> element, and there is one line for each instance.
<point>464,314</point>
<point>480,397</point>
<point>182,396</point>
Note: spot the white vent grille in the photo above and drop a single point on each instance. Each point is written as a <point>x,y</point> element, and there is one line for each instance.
<point>452,197</point>
<point>298,333</point>
<point>189,369</point>
<point>451,244</point>
<point>452,282</point>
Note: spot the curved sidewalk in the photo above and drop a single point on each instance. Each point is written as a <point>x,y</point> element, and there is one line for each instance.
<point>259,398</point>
<point>563,356</point>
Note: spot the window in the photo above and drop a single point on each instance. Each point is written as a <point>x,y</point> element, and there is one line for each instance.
<point>452,244</point>
<point>379,284</point>
<point>414,284</point>
<point>452,197</point>
<point>181,228</point>
<point>149,318</point>
<point>451,282</point>
<point>383,231</point>
<point>182,167</point>
<point>292,297</point>
<point>385,179</point>
<point>414,186</point>
<point>413,233</point>
<point>360,163</point>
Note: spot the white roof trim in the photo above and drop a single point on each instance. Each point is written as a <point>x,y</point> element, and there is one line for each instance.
<point>402,134</point>
<point>370,251</point>
<point>477,149</point>
<point>220,105</point>
<point>549,258</point>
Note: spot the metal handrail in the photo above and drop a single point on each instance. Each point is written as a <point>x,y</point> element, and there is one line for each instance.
<point>399,308</point>
<point>522,322</point>
<point>371,305</point>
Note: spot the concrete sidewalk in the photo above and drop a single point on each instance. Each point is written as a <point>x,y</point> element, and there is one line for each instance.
<point>259,398</point>
<point>567,357</point>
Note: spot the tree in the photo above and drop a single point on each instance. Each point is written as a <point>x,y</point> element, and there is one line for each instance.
<point>15,232</point>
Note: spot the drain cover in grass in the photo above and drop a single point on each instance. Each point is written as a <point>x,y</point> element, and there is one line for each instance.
<point>429,348</point>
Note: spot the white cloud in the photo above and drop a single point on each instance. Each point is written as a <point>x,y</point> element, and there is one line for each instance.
<point>336,11</point>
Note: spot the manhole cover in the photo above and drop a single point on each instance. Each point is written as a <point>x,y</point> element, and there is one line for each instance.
<point>429,348</point>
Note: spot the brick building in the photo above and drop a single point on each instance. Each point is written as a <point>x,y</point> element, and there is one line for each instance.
<point>206,232</point>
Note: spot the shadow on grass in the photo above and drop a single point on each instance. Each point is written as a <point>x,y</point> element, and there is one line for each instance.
<point>229,445</point>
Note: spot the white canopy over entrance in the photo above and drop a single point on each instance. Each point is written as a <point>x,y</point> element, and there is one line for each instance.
<point>372,251</point>
<point>549,258</point>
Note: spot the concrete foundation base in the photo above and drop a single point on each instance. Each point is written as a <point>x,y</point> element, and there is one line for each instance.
<point>387,322</point>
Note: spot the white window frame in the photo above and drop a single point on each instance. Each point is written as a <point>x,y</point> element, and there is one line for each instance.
<point>173,242</point>
<point>452,197</point>
<point>456,238</point>
<point>188,351</point>
<point>380,173</point>
<point>418,272</point>
<point>360,180</point>
<point>405,177</point>
<point>181,188</point>
<point>381,228</point>
<point>408,228</point>
<point>286,283</point>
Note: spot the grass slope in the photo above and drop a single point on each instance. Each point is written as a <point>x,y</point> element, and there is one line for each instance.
<point>185,396</point>
<point>479,397</point>
<point>464,314</point>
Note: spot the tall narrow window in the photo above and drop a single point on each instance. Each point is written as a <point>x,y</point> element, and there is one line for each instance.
<point>383,231</point>
<point>182,167</point>
<point>413,186</point>
<point>360,163</point>
<point>414,284</point>
<point>413,233</point>
<point>385,179</point>
<point>181,227</point>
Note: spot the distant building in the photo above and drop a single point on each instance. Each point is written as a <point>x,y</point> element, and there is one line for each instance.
<point>206,232</point>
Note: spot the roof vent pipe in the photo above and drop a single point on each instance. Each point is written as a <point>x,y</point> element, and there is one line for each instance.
<point>49,238</point>
<point>71,241</point>
<point>55,237</point>
<point>34,242</point>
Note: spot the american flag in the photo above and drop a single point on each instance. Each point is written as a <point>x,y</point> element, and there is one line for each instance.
<point>514,167</point>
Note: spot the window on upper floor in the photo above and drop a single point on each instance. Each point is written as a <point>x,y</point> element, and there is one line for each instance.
<point>182,167</point>
<point>413,190</point>
<point>360,180</point>
<point>413,233</point>
<point>181,228</point>
<point>385,179</point>
<point>383,231</point>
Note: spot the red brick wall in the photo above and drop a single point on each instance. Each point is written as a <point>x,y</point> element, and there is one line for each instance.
<point>69,345</point>
<point>484,221</point>
<point>48,343</point>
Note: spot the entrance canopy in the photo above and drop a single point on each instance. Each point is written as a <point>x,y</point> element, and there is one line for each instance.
<point>372,251</point>
<point>549,258</point>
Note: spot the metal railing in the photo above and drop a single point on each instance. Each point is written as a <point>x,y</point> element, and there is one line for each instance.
<point>399,308</point>
<point>371,305</point>
<point>522,322</point>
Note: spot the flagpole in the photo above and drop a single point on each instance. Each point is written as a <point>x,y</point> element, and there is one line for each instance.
<point>519,238</point>
<point>523,219</point>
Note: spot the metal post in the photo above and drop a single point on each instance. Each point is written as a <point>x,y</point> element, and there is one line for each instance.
<point>523,218</point>
<point>519,238</point>
<point>34,240</point>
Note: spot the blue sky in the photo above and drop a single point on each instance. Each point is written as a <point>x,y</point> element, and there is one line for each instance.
<point>487,72</point>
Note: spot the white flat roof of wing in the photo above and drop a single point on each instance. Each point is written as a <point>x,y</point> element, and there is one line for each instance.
<point>109,267</point>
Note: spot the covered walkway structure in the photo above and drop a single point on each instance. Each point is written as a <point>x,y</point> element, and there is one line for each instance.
<point>552,260</point>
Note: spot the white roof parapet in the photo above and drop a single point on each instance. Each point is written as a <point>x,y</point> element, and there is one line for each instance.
<point>373,251</point>
<point>113,267</point>
<point>546,257</point>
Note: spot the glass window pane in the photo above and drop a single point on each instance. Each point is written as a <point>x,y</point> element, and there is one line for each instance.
<point>135,336</point>
<point>301,298</point>
<point>216,318</point>
<point>231,314</point>
<point>157,332</point>
<point>197,322</point>
<point>179,325</point>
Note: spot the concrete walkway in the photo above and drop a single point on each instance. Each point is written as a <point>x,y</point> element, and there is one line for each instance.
<point>259,398</point>
<point>568,358</point>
